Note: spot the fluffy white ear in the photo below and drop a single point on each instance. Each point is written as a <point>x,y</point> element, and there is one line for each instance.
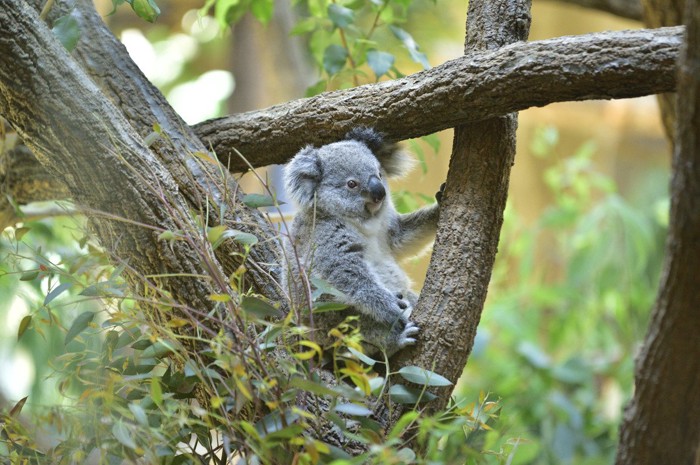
<point>302,176</point>
<point>395,161</point>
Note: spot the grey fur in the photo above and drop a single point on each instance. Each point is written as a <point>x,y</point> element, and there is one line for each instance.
<point>352,237</point>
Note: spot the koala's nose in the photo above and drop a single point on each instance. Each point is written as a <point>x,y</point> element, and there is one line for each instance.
<point>376,189</point>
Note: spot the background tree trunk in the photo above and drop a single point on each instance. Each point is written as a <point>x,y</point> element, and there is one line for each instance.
<point>662,423</point>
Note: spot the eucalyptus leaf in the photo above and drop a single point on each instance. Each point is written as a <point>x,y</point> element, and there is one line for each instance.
<point>353,409</point>
<point>334,58</point>
<point>79,324</point>
<point>405,395</point>
<point>259,200</point>
<point>340,16</point>
<point>411,46</point>
<point>67,31</point>
<point>418,375</point>
<point>380,62</point>
<point>123,435</point>
<point>258,307</point>
<point>145,9</point>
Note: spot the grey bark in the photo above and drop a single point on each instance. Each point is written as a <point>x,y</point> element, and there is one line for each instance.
<point>471,215</point>
<point>662,422</point>
<point>84,140</point>
<point>481,85</point>
<point>629,9</point>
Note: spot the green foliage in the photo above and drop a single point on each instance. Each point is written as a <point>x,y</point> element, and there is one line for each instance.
<point>145,9</point>
<point>567,309</point>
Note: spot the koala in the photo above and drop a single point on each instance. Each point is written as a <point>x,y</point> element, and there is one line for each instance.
<point>348,233</point>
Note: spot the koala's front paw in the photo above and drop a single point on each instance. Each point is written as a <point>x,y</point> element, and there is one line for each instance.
<point>404,305</point>
<point>405,338</point>
<point>440,193</point>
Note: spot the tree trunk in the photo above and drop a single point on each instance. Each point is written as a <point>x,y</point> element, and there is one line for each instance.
<point>471,215</point>
<point>662,423</point>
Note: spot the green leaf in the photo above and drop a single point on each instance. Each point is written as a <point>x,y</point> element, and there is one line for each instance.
<point>259,200</point>
<point>334,58</point>
<point>418,375</point>
<point>340,16</point>
<point>67,31</point>
<point>156,391</point>
<point>122,434</point>
<point>312,386</point>
<point>258,307</point>
<point>322,286</point>
<point>405,395</point>
<point>329,307</point>
<point>403,423</point>
<point>139,413</point>
<point>29,275</point>
<point>23,325</point>
<point>145,9</point>
<point>353,409</point>
<point>411,46</point>
<point>79,324</point>
<point>363,358</point>
<point>380,62</point>
<point>20,232</point>
<point>15,411</point>
<point>56,291</point>
<point>262,10</point>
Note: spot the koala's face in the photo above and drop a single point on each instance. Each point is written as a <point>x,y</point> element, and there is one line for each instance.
<point>353,183</point>
<point>343,178</point>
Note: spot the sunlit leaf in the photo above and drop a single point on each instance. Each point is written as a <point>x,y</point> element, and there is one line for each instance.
<point>323,307</point>
<point>263,10</point>
<point>79,324</point>
<point>363,358</point>
<point>418,375</point>
<point>145,9</point>
<point>20,232</point>
<point>156,391</point>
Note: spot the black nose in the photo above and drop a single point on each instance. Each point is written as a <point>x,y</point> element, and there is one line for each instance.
<point>376,189</point>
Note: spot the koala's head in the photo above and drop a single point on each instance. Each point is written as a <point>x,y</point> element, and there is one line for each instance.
<point>346,178</point>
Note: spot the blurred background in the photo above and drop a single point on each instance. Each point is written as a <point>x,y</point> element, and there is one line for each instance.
<point>580,252</point>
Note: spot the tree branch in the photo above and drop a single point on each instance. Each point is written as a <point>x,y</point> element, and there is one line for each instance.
<point>478,86</point>
<point>630,9</point>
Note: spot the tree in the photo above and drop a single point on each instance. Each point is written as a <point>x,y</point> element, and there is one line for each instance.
<point>112,143</point>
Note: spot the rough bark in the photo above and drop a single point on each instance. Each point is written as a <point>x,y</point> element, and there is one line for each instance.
<point>478,86</point>
<point>105,60</point>
<point>660,13</point>
<point>471,214</point>
<point>24,180</point>
<point>481,85</point>
<point>662,422</point>
<point>83,139</point>
<point>629,9</point>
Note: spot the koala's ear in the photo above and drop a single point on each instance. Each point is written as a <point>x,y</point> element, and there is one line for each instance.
<point>395,161</point>
<point>302,176</point>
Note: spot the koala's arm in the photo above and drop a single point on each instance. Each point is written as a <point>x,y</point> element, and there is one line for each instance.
<point>339,259</point>
<point>411,232</point>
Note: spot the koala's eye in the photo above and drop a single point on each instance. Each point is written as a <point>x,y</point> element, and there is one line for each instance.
<point>352,184</point>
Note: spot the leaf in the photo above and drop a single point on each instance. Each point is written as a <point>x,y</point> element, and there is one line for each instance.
<point>411,46</point>
<point>324,287</point>
<point>312,386</point>
<point>363,358</point>
<point>156,391</point>
<point>145,9</point>
<point>403,423</point>
<point>18,407</point>
<point>23,325</point>
<point>341,16</point>
<point>329,307</point>
<point>258,307</point>
<point>79,324</point>
<point>263,10</point>
<point>67,31</point>
<point>121,433</point>
<point>380,62</point>
<point>405,395</point>
<point>316,89</point>
<point>259,200</point>
<point>20,232</point>
<point>353,409</point>
<point>29,276</point>
<point>139,413</point>
<point>218,234</point>
<point>334,58</point>
<point>418,375</point>
<point>56,291</point>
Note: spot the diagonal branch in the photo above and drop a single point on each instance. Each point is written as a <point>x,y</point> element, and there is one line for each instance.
<point>478,86</point>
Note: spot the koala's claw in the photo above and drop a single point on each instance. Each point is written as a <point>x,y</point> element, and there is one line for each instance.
<point>410,330</point>
<point>440,193</point>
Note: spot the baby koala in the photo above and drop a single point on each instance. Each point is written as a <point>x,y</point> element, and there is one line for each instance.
<point>348,233</point>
